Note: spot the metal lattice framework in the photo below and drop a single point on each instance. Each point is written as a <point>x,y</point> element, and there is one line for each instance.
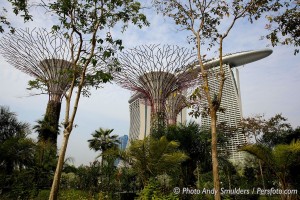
<point>156,71</point>
<point>174,104</point>
<point>42,55</point>
<point>45,56</point>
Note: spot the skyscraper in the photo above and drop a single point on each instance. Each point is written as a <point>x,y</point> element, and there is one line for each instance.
<point>231,98</point>
<point>231,102</point>
<point>122,146</point>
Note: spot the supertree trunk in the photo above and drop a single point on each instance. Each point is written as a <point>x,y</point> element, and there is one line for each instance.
<point>50,126</point>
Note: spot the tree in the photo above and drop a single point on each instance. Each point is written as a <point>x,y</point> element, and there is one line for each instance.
<point>107,144</point>
<point>206,22</point>
<point>16,149</point>
<point>194,142</point>
<point>276,130</point>
<point>152,157</point>
<point>279,160</point>
<point>86,24</point>
<point>103,141</point>
<point>18,6</point>
<point>269,132</point>
<point>16,156</point>
<point>284,27</point>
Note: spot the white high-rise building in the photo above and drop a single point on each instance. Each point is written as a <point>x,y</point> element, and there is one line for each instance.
<point>231,98</point>
<point>231,102</point>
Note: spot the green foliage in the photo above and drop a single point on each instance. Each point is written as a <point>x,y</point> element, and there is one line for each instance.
<point>284,26</point>
<point>17,6</point>
<point>89,177</point>
<point>196,143</point>
<point>269,132</point>
<point>67,194</point>
<point>127,179</point>
<point>16,157</point>
<point>153,190</point>
<point>102,140</point>
<point>152,157</point>
<point>16,149</point>
<point>280,160</point>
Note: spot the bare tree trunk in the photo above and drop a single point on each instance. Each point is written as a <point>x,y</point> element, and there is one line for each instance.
<point>214,153</point>
<point>262,175</point>
<point>58,171</point>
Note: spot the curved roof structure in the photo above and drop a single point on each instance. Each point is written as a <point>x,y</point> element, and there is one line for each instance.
<point>233,60</point>
<point>240,58</point>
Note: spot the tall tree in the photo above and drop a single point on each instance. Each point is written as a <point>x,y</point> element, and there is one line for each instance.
<point>210,22</point>
<point>87,24</point>
<point>103,140</point>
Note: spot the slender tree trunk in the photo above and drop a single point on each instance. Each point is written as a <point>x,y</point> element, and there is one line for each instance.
<point>58,171</point>
<point>262,175</point>
<point>214,153</point>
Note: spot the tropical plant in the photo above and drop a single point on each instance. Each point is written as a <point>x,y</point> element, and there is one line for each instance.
<point>280,160</point>
<point>16,149</point>
<point>154,190</point>
<point>195,142</point>
<point>106,143</point>
<point>102,140</point>
<point>268,132</point>
<point>152,157</point>
<point>16,156</point>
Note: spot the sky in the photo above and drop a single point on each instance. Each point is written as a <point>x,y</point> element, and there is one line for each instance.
<point>268,86</point>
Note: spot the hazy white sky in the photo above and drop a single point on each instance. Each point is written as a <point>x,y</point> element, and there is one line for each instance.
<point>268,86</point>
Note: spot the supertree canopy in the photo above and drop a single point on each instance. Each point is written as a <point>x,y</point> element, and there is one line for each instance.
<point>156,71</point>
<point>46,57</point>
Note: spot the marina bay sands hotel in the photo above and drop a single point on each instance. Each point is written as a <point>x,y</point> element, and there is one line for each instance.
<point>140,110</point>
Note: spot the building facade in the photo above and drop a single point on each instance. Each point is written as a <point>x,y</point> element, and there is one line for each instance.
<point>140,115</point>
<point>231,102</point>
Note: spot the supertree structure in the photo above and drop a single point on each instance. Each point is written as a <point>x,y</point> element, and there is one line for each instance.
<point>46,57</point>
<point>174,104</point>
<point>156,71</point>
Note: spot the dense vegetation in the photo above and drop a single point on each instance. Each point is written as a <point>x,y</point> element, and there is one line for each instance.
<point>177,156</point>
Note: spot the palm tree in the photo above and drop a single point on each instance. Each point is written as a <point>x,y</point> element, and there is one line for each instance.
<point>102,140</point>
<point>106,143</point>
<point>16,149</point>
<point>152,157</point>
<point>279,161</point>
